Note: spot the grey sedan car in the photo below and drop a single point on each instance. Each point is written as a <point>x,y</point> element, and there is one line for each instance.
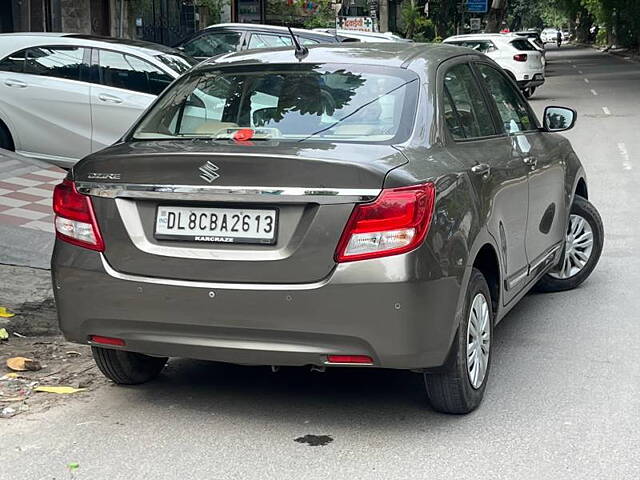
<point>363,205</point>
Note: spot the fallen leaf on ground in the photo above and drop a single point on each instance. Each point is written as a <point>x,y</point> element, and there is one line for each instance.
<point>60,390</point>
<point>73,466</point>
<point>4,335</point>
<point>22,364</point>
<point>12,399</point>
<point>10,375</point>
<point>4,313</point>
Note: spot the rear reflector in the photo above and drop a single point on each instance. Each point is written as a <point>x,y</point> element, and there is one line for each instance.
<point>395,222</point>
<point>75,220</point>
<point>107,340</point>
<point>520,57</point>
<point>357,359</point>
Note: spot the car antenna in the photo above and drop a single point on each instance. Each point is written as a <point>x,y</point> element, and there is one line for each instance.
<point>301,51</point>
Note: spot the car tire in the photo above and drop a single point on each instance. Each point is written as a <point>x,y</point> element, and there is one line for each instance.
<point>528,92</point>
<point>127,368</point>
<point>6,142</point>
<point>452,389</point>
<point>571,274</point>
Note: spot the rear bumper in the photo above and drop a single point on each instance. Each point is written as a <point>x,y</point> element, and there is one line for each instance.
<point>376,308</point>
<point>535,80</point>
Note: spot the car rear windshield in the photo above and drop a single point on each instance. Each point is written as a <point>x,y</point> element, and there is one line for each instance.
<point>482,46</point>
<point>334,103</point>
<point>523,45</point>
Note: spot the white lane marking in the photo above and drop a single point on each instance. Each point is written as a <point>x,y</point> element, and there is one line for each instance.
<point>606,111</point>
<point>626,159</point>
<point>580,72</point>
<point>594,92</point>
<point>586,80</point>
<point>574,66</point>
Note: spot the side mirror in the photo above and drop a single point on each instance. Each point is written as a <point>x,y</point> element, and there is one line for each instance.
<point>559,119</point>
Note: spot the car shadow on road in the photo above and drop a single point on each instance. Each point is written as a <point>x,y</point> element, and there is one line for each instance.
<point>370,398</point>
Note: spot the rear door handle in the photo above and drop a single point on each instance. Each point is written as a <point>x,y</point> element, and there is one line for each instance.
<point>482,169</point>
<point>109,98</point>
<point>531,161</point>
<point>15,83</point>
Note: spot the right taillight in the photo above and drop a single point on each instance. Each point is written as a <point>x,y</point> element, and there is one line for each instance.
<point>520,57</point>
<point>75,220</point>
<point>396,222</point>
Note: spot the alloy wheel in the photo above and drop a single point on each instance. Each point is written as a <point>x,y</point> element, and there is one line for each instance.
<point>578,248</point>
<point>478,340</point>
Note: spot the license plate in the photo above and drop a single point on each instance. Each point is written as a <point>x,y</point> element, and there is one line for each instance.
<point>216,225</point>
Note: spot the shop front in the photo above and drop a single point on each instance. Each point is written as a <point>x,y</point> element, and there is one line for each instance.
<point>309,13</point>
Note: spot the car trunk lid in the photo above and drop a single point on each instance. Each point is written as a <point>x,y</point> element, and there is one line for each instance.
<point>313,189</point>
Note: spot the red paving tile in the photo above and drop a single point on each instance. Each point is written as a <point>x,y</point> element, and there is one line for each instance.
<point>11,220</point>
<point>37,178</point>
<point>37,207</point>
<point>11,186</point>
<point>46,186</point>
<point>23,196</point>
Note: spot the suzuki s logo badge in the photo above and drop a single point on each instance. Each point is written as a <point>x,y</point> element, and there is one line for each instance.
<point>209,172</point>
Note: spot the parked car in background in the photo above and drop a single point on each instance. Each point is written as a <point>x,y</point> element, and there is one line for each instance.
<point>63,96</point>
<point>233,37</point>
<point>566,36</point>
<point>534,39</point>
<point>519,58</point>
<point>364,36</point>
<point>324,209</point>
<point>549,35</point>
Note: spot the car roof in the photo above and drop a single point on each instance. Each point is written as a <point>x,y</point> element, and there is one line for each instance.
<point>263,27</point>
<point>149,47</point>
<point>480,36</point>
<point>393,54</point>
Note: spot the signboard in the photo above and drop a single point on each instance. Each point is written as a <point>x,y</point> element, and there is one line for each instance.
<point>474,24</point>
<point>358,24</point>
<point>478,6</point>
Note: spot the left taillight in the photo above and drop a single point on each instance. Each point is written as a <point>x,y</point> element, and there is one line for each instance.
<point>75,219</point>
<point>520,57</point>
<point>396,222</point>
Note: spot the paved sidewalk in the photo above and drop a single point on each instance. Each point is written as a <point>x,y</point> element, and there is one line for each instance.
<point>26,216</point>
<point>25,193</point>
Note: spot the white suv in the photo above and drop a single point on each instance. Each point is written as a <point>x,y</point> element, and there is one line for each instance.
<point>515,54</point>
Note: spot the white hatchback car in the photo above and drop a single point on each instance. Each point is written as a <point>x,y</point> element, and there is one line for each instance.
<point>515,54</point>
<point>549,35</point>
<point>63,96</point>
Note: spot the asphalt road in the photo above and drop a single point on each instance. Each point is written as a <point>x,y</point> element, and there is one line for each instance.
<point>563,400</point>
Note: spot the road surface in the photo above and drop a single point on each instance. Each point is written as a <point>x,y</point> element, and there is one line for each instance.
<point>563,400</point>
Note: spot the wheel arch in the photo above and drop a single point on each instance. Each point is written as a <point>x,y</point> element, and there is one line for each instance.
<point>581,188</point>
<point>486,261</point>
<point>6,128</point>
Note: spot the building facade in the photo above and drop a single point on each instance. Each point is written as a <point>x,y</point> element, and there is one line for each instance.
<point>167,21</point>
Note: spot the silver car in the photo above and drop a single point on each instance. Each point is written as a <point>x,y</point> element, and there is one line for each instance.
<point>63,96</point>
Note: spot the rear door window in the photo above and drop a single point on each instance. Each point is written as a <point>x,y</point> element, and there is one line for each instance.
<point>57,62</point>
<point>131,73</point>
<point>212,44</point>
<point>14,62</point>
<point>523,45</point>
<point>482,46</point>
<point>512,109</point>
<point>466,113</point>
